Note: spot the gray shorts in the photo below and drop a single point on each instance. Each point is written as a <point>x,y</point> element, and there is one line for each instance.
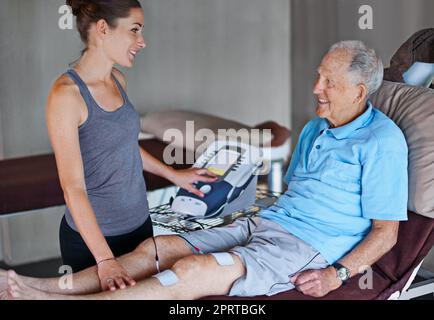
<point>270,254</point>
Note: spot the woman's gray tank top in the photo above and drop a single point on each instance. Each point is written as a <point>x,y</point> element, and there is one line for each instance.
<point>113,168</point>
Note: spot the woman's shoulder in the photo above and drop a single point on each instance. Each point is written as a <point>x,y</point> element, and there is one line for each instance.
<point>64,87</point>
<point>64,95</point>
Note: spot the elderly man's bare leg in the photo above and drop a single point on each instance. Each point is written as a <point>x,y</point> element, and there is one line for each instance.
<point>140,264</point>
<point>197,276</point>
<point>3,284</point>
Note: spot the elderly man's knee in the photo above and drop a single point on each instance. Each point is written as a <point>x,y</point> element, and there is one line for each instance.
<point>189,267</point>
<point>167,245</point>
<point>182,275</point>
<point>144,246</point>
<point>148,245</point>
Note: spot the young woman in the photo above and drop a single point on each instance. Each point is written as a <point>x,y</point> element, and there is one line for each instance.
<point>93,129</point>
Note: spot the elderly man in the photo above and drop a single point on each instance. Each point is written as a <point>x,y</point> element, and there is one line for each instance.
<point>347,192</point>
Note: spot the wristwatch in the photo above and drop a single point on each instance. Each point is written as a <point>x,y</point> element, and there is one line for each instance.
<point>341,272</point>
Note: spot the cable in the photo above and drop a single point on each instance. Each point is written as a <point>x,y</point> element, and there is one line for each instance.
<point>196,249</point>
<point>291,275</point>
<point>157,260</point>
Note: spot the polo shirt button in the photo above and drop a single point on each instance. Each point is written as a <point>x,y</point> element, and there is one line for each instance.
<point>318,147</point>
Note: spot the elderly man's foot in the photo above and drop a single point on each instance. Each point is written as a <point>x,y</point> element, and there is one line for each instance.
<point>18,290</point>
<point>3,284</point>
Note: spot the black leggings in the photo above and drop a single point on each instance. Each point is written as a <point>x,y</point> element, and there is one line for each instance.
<point>77,255</point>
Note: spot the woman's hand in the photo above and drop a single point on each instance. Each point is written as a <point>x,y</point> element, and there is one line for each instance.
<point>113,276</point>
<point>186,178</point>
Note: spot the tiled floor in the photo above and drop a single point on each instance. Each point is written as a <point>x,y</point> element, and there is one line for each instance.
<point>50,268</point>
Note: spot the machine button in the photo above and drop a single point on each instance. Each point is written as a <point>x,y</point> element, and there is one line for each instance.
<point>205,189</point>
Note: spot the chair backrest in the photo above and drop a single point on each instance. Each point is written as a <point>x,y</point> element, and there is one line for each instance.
<point>412,109</point>
<point>418,48</point>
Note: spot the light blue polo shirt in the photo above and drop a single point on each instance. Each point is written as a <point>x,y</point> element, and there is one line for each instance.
<point>341,179</point>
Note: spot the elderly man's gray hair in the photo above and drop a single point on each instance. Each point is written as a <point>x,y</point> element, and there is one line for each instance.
<point>366,67</point>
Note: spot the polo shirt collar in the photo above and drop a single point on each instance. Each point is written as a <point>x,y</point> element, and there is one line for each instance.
<point>360,122</point>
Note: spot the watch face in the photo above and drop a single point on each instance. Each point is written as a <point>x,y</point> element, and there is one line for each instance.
<point>342,274</point>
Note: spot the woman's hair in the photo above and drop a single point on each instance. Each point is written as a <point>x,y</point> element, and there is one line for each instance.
<point>91,11</point>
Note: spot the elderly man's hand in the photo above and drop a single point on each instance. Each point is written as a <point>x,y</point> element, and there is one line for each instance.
<point>317,283</point>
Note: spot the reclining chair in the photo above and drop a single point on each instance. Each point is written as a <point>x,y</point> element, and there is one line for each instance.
<point>412,109</point>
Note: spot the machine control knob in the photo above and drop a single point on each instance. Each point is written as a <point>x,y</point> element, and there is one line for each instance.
<point>205,189</point>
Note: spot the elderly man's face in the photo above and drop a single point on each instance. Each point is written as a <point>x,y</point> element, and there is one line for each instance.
<point>336,94</point>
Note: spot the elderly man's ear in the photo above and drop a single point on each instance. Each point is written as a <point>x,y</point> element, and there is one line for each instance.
<point>362,94</point>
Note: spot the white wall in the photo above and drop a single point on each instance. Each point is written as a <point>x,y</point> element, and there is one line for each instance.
<point>429,261</point>
<point>1,135</point>
<point>313,30</point>
<point>31,237</point>
<point>34,51</point>
<point>394,22</point>
<point>225,57</point>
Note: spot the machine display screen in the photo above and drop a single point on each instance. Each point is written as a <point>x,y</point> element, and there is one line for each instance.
<point>223,161</point>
